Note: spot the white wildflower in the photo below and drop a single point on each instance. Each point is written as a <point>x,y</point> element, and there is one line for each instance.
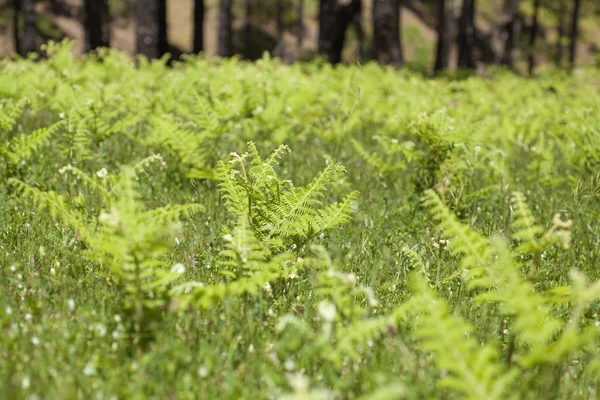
<point>102,173</point>
<point>178,269</point>
<point>327,311</point>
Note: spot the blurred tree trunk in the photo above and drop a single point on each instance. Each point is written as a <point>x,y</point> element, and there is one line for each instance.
<point>163,40</point>
<point>574,32</point>
<point>279,19</point>
<point>334,19</point>
<point>224,35</point>
<point>466,35</point>
<point>445,33</point>
<point>386,32</point>
<point>562,32</point>
<point>151,25</point>
<point>533,35</point>
<point>198,26</point>
<point>300,24</point>
<point>28,36</point>
<point>248,28</point>
<point>96,24</point>
<point>510,31</point>
<point>360,36</point>
<point>16,36</point>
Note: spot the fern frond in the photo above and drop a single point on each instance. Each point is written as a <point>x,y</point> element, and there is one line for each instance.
<point>525,229</point>
<point>173,212</point>
<point>22,147</point>
<point>465,241</point>
<point>52,203</point>
<point>10,115</point>
<point>337,214</point>
<point>474,370</point>
<point>236,198</point>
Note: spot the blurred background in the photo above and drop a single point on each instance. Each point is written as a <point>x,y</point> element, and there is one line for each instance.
<point>424,35</point>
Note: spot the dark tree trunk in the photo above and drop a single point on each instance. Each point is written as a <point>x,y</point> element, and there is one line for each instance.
<point>224,35</point>
<point>16,36</point>
<point>248,28</point>
<point>444,31</point>
<point>386,32</point>
<point>151,28</point>
<point>29,34</point>
<point>279,19</point>
<point>334,19</point>
<point>562,32</point>
<point>574,32</point>
<point>533,35</point>
<point>300,24</point>
<point>466,36</point>
<point>96,28</point>
<point>360,37</point>
<point>198,26</point>
<point>510,31</point>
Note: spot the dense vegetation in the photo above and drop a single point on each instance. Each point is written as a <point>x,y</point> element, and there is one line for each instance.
<point>223,229</point>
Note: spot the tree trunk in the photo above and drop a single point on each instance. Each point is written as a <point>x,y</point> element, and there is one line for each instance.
<point>532,36</point>
<point>279,19</point>
<point>149,29</point>
<point>386,32</point>
<point>444,31</point>
<point>224,35</point>
<point>466,35</point>
<point>29,34</point>
<point>562,32</point>
<point>574,32</point>
<point>248,28</point>
<point>300,24</point>
<point>198,26</point>
<point>16,13</point>
<point>163,39</point>
<point>334,19</point>
<point>360,36</point>
<point>96,31</point>
<point>510,31</point>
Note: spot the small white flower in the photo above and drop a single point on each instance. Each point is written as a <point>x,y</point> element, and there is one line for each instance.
<point>251,348</point>
<point>25,383</point>
<point>28,317</point>
<point>53,271</point>
<point>327,311</point>
<point>477,149</point>
<point>267,287</point>
<point>202,372</point>
<point>102,173</point>
<point>178,269</point>
<point>35,341</point>
<point>89,370</point>
<point>289,365</point>
<point>8,311</point>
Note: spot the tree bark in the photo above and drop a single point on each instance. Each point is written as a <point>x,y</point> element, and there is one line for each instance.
<point>16,36</point>
<point>163,39</point>
<point>29,34</point>
<point>334,19</point>
<point>562,32</point>
<point>445,33</point>
<point>510,31</point>
<point>96,31</point>
<point>198,26</point>
<point>574,32</point>
<point>279,19</point>
<point>150,30</point>
<point>466,36</point>
<point>300,24</point>
<point>386,32</point>
<point>532,36</point>
<point>248,28</point>
<point>224,35</point>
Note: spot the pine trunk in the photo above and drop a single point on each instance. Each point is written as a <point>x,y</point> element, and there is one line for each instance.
<point>444,31</point>
<point>198,26</point>
<point>562,32</point>
<point>148,28</point>
<point>224,35</point>
<point>96,29</point>
<point>279,19</point>
<point>16,36</point>
<point>574,32</point>
<point>386,32</point>
<point>29,34</point>
<point>163,40</point>
<point>300,24</point>
<point>510,31</point>
<point>466,36</point>
<point>533,35</point>
<point>334,19</point>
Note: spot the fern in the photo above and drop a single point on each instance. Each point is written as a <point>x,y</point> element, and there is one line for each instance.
<point>474,370</point>
<point>10,114</point>
<point>22,147</point>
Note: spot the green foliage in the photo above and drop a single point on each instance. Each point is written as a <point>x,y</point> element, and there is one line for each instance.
<point>153,247</point>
